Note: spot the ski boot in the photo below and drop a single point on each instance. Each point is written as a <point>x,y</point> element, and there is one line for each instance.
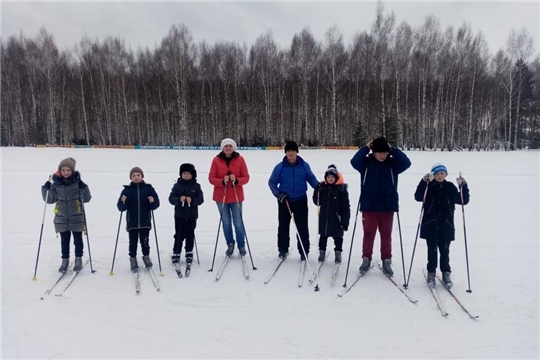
<point>366,264</point>
<point>387,267</point>
<point>65,263</point>
<point>147,262</point>
<point>78,264</point>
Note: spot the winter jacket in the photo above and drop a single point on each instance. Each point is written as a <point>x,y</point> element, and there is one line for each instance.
<point>69,211</point>
<point>290,179</point>
<point>335,209</point>
<point>190,188</point>
<point>438,218</point>
<point>137,206</point>
<point>379,180</point>
<point>223,166</point>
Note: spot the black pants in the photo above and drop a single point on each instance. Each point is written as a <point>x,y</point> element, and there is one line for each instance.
<point>184,230</point>
<point>444,251</point>
<point>300,211</point>
<point>338,242</point>
<point>77,240</point>
<point>134,235</point>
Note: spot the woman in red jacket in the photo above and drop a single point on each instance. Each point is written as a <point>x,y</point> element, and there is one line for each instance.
<point>229,174</point>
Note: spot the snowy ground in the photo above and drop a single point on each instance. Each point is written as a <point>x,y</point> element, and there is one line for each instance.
<point>101,317</point>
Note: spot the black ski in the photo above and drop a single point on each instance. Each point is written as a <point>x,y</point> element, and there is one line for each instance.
<point>361,275</point>
<point>400,289</point>
<point>457,300</point>
<point>73,276</point>
<point>62,274</point>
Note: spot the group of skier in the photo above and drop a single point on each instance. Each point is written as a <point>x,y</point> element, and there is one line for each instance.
<point>378,163</point>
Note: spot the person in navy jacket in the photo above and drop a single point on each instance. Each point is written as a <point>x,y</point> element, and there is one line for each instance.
<point>186,196</point>
<point>288,183</point>
<point>378,196</point>
<point>438,219</point>
<point>138,199</point>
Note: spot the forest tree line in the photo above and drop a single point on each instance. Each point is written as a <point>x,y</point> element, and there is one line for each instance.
<point>422,87</point>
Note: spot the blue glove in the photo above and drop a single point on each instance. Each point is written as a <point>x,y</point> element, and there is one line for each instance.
<point>282,197</point>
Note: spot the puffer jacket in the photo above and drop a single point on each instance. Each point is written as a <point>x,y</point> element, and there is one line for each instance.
<point>69,198</point>
<point>291,179</point>
<point>190,188</point>
<point>379,180</point>
<point>223,166</point>
<point>137,206</point>
<point>335,209</point>
<point>438,217</point>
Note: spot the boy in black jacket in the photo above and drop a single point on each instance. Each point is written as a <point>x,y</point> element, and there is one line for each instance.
<point>335,211</point>
<point>138,200</point>
<point>438,220</point>
<point>186,196</point>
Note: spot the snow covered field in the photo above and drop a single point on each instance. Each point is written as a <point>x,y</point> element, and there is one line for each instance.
<point>101,317</point>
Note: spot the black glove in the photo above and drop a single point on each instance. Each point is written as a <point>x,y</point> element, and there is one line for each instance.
<point>47,185</point>
<point>319,186</point>
<point>82,185</point>
<point>345,228</point>
<point>282,197</point>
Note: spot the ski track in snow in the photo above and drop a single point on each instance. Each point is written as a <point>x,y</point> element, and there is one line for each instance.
<point>101,317</point>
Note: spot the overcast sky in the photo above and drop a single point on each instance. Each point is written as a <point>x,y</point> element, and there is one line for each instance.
<point>146,23</point>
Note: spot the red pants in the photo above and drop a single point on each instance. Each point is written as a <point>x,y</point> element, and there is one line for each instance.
<point>372,220</point>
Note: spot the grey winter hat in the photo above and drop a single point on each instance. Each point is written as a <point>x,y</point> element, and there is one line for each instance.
<point>134,170</point>
<point>68,162</point>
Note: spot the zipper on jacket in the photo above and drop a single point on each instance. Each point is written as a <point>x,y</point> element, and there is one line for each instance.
<point>327,211</point>
<point>138,207</point>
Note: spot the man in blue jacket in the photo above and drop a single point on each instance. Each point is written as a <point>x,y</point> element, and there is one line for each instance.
<point>288,184</point>
<point>378,196</point>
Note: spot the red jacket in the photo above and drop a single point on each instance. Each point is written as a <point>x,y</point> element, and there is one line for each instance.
<point>219,169</point>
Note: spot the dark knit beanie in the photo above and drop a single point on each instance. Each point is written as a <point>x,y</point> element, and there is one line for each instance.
<point>291,145</point>
<point>332,170</point>
<point>190,168</point>
<point>68,162</point>
<point>134,170</point>
<point>380,145</point>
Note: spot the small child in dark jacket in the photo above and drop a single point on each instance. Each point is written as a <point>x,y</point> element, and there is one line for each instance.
<point>186,196</point>
<point>335,211</point>
<point>437,225</point>
<point>138,200</point>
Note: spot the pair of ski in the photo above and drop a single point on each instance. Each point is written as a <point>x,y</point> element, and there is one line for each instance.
<point>361,275</point>
<point>438,300</point>
<point>178,269</point>
<point>74,275</point>
<point>224,265</point>
<point>332,278</point>
<point>303,264</point>
<point>137,280</point>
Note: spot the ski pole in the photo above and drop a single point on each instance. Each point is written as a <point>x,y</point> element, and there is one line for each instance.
<point>354,231</point>
<point>318,215</point>
<point>86,232</point>
<point>465,235</point>
<point>196,250</point>
<point>243,226</point>
<point>399,227</point>
<point>352,241</point>
<point>219,227</point>
<point>116,243</point>
<point>157,245</point>
<point>299,239</point>
<point>41,231</point>
<point>416,237</point>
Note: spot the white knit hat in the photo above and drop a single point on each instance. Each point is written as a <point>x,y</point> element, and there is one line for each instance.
<point>228,141</point>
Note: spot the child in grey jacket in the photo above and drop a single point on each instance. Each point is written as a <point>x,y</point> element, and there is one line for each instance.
<point>68,192</point>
